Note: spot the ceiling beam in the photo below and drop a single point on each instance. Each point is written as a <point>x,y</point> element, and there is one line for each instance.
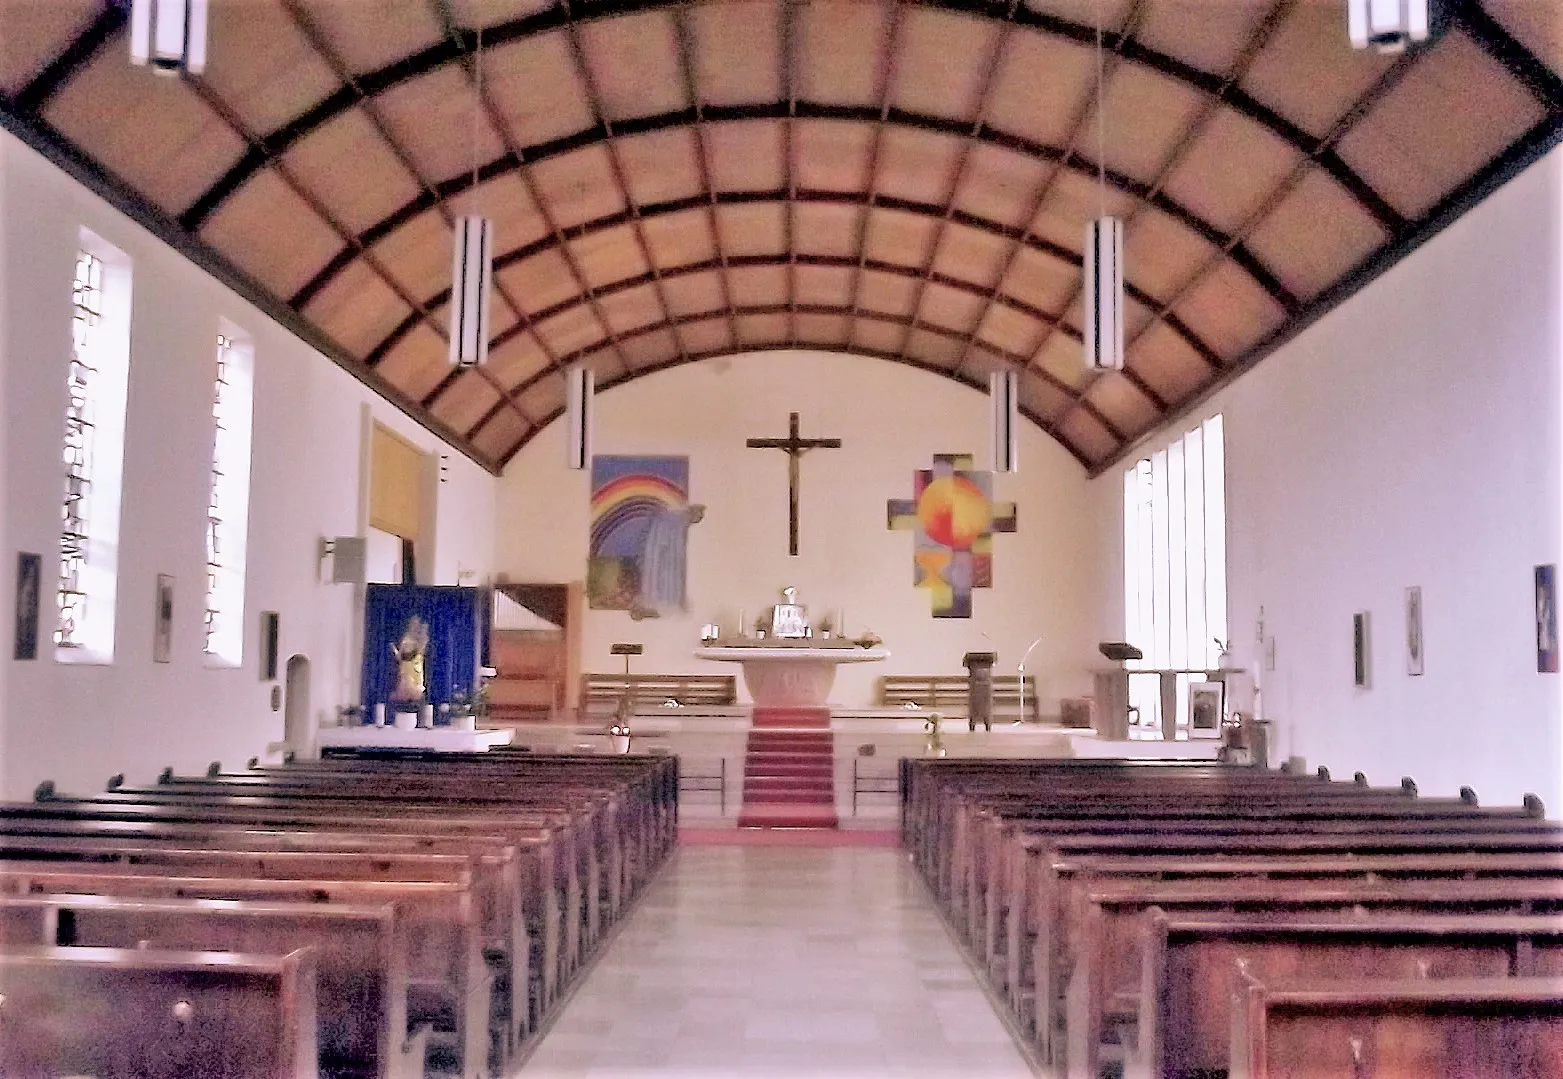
<point>780,308</point>
<point>561,15</point>
<point>1249,262</point>
<point>931,210</point>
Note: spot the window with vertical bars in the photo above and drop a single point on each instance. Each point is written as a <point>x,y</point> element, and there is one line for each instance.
<point>214,519</point>
<point>1174,564</point>
<point>76,505</point>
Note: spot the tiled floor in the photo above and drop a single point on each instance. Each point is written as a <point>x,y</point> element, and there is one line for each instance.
<point>780,961</point>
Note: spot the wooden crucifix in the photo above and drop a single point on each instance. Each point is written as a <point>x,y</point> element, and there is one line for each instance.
<point>795,447</point>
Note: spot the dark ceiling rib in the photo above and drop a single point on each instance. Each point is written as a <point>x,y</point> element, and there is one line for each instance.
<point>968,220</point>
<point>778,309</point>
<point>787,46</point>
<point>560,16</point>
<point>1240,254</point>
<point>77,55</point>
<point>317,41</point>
<point>834,261</point>
<point>1520,155</point>
<point>883,87</point>
<point>53,147</point>
<point>1261,35</point>
<point>686,71</point>
<point>986,81</point>
<point>1528,71</point>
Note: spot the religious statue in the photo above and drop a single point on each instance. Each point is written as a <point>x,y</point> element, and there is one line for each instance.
<point>664,553</point>
<point>410,653</point>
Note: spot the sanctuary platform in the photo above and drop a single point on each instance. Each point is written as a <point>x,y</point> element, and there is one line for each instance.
<point>849,762</point>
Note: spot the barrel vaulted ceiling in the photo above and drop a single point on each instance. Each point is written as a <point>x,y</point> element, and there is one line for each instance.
<point>901,181</point>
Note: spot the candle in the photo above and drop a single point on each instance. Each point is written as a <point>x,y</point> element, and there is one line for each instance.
<point>743,626</point>
<point>426,716</point>
<point>379,714</point>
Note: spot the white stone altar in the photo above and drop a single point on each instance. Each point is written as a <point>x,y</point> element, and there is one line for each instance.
<point>790,677</point>
<point>438,739</point>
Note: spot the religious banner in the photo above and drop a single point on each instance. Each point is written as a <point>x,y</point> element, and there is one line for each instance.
<point>952,516</point>
<point>636,560</point>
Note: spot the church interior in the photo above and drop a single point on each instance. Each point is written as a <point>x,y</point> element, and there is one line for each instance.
<point>598,531</point>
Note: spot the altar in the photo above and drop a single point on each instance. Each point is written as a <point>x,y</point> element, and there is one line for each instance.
<point>790,676</point>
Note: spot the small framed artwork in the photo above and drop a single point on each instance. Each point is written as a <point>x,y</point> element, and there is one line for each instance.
<point>1414,630</point>
<point>163,625</point>
<point>1547,619</point>
<point>1205,703</point>
<point>270,623</point>
<point>29,580</point>
<point>1362,659</point>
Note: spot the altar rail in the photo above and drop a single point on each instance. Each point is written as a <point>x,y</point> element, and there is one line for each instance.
<point>950,692</point>
<point>601,693</point>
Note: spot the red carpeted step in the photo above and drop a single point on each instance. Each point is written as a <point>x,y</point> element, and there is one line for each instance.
<point>791,717</point>
<point>772,815</point>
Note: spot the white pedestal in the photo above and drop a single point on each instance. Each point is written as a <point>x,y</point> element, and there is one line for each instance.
<point>790,677</point>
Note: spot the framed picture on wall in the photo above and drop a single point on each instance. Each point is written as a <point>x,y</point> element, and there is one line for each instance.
<point>163,620</point>
<point>29,580</point>
<point>1547,619</point>
<point>1360,645</point>
<point>1414,630</point>
<point>1205,704</point>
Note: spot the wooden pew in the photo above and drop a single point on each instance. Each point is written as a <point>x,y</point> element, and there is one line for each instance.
<point>360,959</point>
<point>952,693</point>
<point>601,693</point>
<point>1183,960</point>
<point>447,977</point>
<point>1509,1027</point>
<point>156,1014</point>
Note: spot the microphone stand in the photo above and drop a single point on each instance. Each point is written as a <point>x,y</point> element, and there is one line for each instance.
<point>1020,673</point>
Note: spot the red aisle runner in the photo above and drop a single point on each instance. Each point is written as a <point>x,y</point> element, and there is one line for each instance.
<point>789,770</point>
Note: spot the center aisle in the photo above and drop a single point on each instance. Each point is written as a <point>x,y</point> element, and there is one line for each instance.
<point>781,961</point>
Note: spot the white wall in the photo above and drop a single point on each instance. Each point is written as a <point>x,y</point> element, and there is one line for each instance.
<point>79,724</point>
<point>891,419</point>
<point>1412,437</point>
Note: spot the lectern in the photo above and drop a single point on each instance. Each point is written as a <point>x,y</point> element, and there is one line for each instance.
<point>979,689</point>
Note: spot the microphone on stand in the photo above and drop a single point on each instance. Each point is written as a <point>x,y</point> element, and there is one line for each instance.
<point>1020,673</point>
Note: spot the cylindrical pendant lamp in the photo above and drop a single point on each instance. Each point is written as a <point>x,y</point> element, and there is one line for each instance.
<point>169,35</point>
<point>580,388</point>
<point>1103,329</point>
<point>472,278</point>
<point>1004,406</point>
<point>1387,26</point>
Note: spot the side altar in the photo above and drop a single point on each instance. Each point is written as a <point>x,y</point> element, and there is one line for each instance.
<point>784,664</point>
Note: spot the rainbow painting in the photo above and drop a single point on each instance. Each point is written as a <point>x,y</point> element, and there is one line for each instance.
<point>640,519</point>
<point>953,517</point>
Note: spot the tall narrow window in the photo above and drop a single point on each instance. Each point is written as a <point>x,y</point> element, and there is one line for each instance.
<point>93,453</point>
<point>228,507</point>
<point>1174,564</point>
<point>86,317</point>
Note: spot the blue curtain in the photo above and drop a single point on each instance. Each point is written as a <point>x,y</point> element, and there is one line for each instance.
<point>458,621</point>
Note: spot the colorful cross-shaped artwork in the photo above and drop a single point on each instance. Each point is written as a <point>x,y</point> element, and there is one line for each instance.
<point>953,517</point>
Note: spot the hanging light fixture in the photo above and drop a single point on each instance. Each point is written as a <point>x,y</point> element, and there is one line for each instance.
<point>1103,263</point>
<point>169,35</point>
<point>580,390</point>
<point>472,276</point>
<point>1004,405</point>
<point>1387,26</point>
<point>472,268</point>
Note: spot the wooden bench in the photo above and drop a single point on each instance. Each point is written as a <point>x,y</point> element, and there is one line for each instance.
<point>951,693</point>
<point>1024,857</point>
<point>536,855</point>
<point>157,1014</point>
<point>360,959</point>
<point>601,693</point>
<point>1513,1026</point>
